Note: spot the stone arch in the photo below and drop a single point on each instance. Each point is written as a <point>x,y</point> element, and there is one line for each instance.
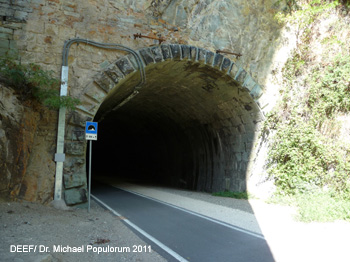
<point>219,149</point>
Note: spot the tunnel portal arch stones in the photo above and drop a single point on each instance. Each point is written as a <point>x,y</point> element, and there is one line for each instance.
<point>235,129</point>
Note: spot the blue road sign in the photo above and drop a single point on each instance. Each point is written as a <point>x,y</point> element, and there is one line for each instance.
<point>91,131</point>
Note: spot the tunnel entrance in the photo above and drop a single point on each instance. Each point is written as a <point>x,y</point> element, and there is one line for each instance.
<point>191,126</point>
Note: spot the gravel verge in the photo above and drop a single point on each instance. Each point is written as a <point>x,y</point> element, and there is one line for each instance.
<point>25,223</point>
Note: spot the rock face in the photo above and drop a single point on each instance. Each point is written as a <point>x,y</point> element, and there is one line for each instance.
<point>37,29</point>
<point>26,139</point>
<point>13,153</point>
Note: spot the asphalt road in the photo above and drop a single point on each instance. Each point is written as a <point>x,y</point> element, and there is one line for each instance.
<point>192,237</point>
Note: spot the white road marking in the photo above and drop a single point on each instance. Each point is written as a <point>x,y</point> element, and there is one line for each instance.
<point>154,240</point>
<point>197,214</point>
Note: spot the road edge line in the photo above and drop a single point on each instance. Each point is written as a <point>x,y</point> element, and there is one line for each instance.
<point>196,214</point>
<point>144,233</point>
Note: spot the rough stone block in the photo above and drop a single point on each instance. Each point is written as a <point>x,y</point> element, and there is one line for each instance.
<point>244,97</point>
<point>218,58</point>
<point>104,64</point>
<point>75,148</point>
<point>125,66</point>
<point>105,82</point>
<point>202,54</point>
<point>15,26</point>
<point>5,10</point>
<point>226,64</point>
<point>75,196</point>
<point>5,4</point>
<point>146,56</point>
<point>114,73</point>
<point>240,76</point>
<point>239,146</point>
<point>12,44</point>
<point>21,15</point>
<point>74,165</point>
<point>241,128</point>
<point>68,8</point>
<point>20,2</point>
<point>34,47</point>
<point>257,116</point>
<point>166,52</point>
<point>245,156</point>
<point>51,29</point>
<point>95,93</point>
<point>74,14</point>
<point>87,106</point>
<point>245,117</point>
<point>5,44</point>
<point>176,52</point>
<point>157,53</point>
<point>25,9</point>
<point>227,182</point>
<point>235,166</point>
<point>226,123</point>
<point>247,107</point>
<point>238,157</point>
<point>243,167</point>
<point>36,27</point>
<point>249,145</point>
<point>239,182</point>
<point>193,53</point>
<point>186,52</point>
<point>77,134</point>
<point>233,70</point>
<point>249,82</point>
<point>250,126</point>
<point>209,58</point>
<point>74,180</point>
<point>37,1</point>
<point>6,30</point>
<point>133,62</point>
<point>78,119</point>
<point>236,120</point>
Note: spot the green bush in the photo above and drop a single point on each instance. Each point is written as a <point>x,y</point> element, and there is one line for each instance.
<point>322,207</point>
<point>31,81</point>
<point>302,158</point>
<point>304,12</point>
<point>330,90</point>
<point>307,161</point>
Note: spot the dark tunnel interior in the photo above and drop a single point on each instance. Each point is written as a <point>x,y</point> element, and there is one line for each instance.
<point>138,149</point>
<point>191,126</point>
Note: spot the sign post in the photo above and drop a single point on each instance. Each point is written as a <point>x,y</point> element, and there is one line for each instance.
<point>90,134</point>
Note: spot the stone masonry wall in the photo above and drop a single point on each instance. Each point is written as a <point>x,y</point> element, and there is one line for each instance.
<point>245,27</point>
<point>236,120</point>
<point>13,16</point>
<point>37,29</point>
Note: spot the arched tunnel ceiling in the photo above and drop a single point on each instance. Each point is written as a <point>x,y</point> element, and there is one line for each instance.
<point>190,125</point>
<point>181,91</point>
